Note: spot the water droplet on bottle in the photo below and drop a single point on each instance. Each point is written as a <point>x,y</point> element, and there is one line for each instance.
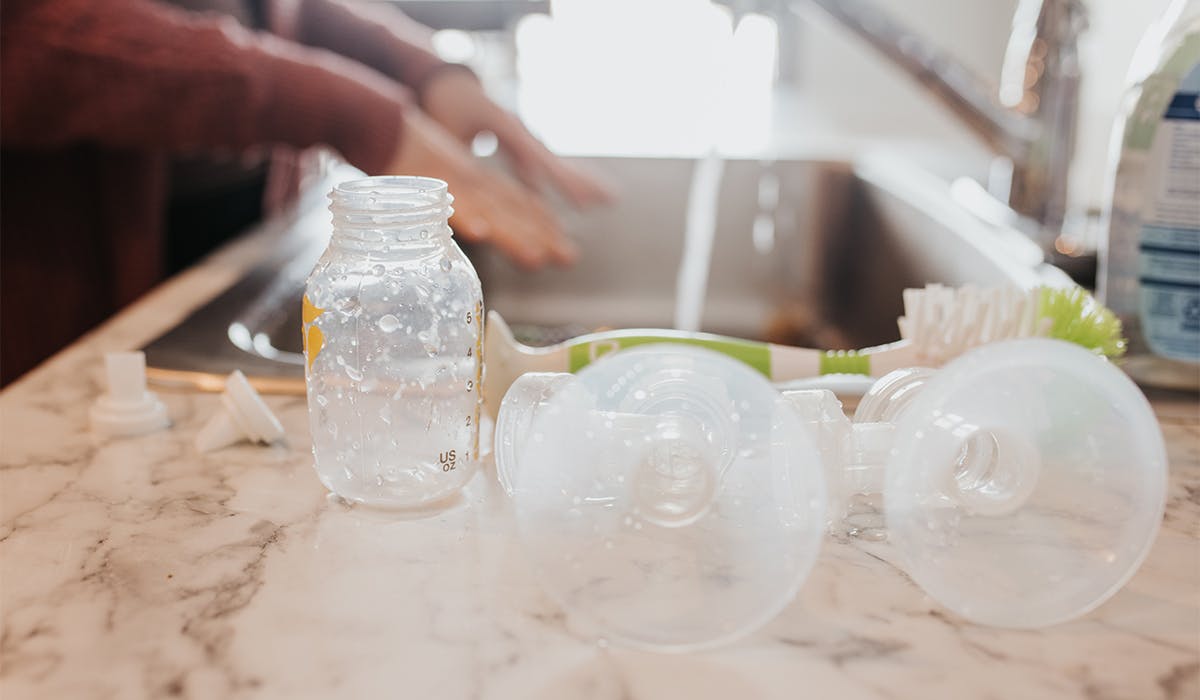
<point>322,400</point>
<point>388,323</point>
<point>353,373</point>
<point>639,395</point>
<point>429,340</point>
<point>446,264</point>
<point>424,234</point>
<point>378,270</point>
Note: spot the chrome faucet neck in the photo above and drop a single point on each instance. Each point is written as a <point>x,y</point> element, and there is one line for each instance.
<point>1032,122</point>
<point>1041,81</point>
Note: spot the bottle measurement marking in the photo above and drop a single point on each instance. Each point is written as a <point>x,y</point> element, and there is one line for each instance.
<point>478,381</point>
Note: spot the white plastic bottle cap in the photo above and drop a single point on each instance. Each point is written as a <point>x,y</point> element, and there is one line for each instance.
<point>243,416</point>
<point>127,408</point>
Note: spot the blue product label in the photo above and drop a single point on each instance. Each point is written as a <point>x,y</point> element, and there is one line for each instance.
<point>1169,248</point>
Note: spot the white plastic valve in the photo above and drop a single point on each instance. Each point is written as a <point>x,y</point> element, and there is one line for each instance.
<point>127,409</point>
<point>243,416</point>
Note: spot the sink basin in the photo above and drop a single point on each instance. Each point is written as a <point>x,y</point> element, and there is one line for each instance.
<point>805,252</point>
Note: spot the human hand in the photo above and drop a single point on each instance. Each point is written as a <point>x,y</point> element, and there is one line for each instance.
<point>456,100</point>
<point>488,205</point>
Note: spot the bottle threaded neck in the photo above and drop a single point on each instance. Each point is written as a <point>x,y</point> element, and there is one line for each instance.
<point>396,208</point>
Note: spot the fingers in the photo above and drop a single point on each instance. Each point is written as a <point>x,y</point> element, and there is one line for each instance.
<point>584,188</point>
<point>470,226</point>
<point>538,167</point>
<point>457,102</point>
<point>489,206</point>
<point>534,228</point>
<point>514,221</point>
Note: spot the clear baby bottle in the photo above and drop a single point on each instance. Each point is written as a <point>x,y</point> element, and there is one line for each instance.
<point>393,321</point>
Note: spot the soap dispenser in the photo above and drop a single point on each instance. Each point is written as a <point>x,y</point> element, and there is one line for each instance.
<point>1150,260</point>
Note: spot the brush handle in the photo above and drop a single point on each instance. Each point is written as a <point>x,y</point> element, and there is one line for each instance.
<point>586,349</point>
<point>777,362</point>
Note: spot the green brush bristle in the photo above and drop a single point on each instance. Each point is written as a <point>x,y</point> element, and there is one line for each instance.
<point>1078,318</point>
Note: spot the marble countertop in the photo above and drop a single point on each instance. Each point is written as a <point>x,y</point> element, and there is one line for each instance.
<point>135,567</point>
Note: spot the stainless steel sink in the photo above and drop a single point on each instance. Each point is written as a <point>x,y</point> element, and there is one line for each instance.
<point>804,252</point>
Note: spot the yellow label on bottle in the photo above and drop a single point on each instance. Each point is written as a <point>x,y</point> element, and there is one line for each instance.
<point>313,338</point>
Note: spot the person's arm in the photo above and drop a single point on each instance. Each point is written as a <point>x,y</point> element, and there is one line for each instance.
<point>387,40</point>
<point>380,37</point>
<point>136,74</point>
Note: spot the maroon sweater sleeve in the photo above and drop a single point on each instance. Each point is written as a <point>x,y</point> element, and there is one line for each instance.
<point>135,74</point>
<point>375,35</point>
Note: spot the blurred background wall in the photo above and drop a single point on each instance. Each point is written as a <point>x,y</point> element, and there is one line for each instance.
<point>975,31</point>
<point>630,76</point>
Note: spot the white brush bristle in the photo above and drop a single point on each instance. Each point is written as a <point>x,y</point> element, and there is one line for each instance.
<point>944,322</point>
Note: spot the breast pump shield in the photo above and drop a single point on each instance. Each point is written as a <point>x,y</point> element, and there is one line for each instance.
<point>1023,484</point>
<point>1027,483</point>
<point>668,497</point>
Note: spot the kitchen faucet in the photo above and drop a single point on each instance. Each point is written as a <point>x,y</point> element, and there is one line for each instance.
<point>1031,122</point>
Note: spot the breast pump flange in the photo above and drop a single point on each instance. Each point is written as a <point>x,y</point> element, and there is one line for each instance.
<point>667,496</point>
<point>672,500</point>
<point>1023,484</point>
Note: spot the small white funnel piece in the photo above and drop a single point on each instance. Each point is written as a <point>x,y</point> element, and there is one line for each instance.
<point>127,409</point>
<point>243,416</point>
